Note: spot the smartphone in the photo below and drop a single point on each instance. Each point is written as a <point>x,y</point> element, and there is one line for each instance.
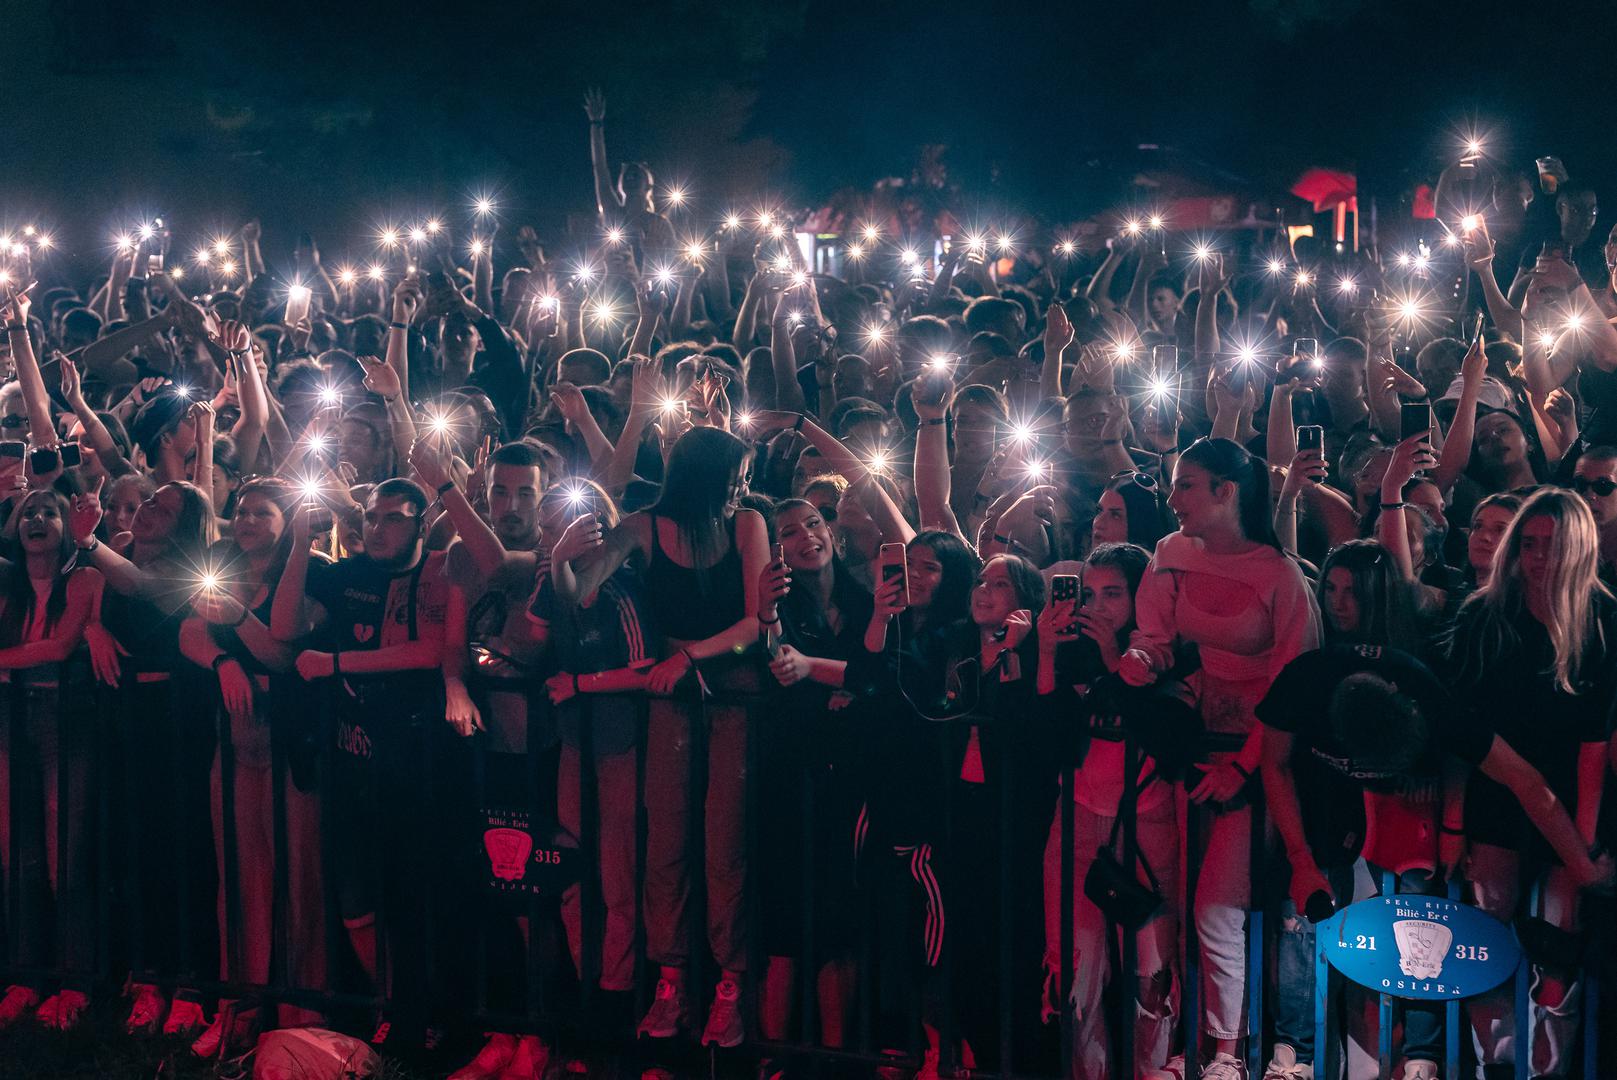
<point>894,564</point>
<point>1414,418</point>
<point>1064,587</point>
<point>13,449</point>
<point>1308,349</point>
<point>777,553</point>
<point>1310,437</point>
<point>934,384</point>
<point>1476,331</point>
<point>44,459</point>
<point>1164,359</point>
<point>72,456</point>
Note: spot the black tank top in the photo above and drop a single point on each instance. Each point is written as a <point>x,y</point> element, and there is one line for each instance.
<point>690,604</point>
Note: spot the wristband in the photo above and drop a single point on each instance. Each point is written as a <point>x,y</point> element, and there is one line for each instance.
<point>686,653</point>
<point>443,488</point>
<point>13,327</point>
<point>770,622</point>
<point>1393,506</point>
<point>798,427</point>
<point>91,546</point>
<point>998,539</point>
<point>398,326</point>
<point>1450,830</point>
<point>1246,774</point>
<point>575,685</point>
<point>220,660</point>
<point>934,421</point>
<point>245,614</point>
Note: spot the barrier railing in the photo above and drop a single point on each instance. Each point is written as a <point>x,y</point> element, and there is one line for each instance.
<point>139,858</point>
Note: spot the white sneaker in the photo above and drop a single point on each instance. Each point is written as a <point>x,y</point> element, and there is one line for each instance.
<point>1224,1067</point>
<point>1419,1069</point>
<point>1285,1066</point>
<point>1173,1069</point>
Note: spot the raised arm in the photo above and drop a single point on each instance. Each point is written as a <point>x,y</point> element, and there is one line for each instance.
<point>41,432</point>
<point>1058,335</point>
<point>783,357</point>
<point>605,198</point>
<point>1410,455</point>
<point>932,474</point>
<point>289,613</point>
<point>1479,256</point>
<point>487,553</point>
<point>1456,453</point>
<point>95,432</point>
<point>645,396</point>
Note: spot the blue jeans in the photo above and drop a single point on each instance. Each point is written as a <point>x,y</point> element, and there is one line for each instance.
<point>1294,962</point>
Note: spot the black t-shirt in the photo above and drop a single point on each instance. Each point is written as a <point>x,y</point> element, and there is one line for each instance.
<point>1514,689</point>
<point>370,606</point>
<point>1330,781</point>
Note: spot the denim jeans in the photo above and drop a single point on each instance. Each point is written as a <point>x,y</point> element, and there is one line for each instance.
<point>1294,962</point>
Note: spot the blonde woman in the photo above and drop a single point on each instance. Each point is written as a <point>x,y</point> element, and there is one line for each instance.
<point>1533,655</point>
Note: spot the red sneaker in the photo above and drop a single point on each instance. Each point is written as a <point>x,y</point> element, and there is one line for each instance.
<point>184,1017</point>
<point>18,1003</point>
<point>491,1060</point>
<point>148,1010</point>
<point>63,1010</point>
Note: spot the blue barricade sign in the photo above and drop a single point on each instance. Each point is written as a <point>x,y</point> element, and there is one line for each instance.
<point>1424,947</point>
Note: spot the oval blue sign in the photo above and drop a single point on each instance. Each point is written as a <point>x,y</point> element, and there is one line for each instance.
<point>1425,947</point>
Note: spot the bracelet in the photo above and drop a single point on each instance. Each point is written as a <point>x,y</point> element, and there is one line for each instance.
<point>398,326</point>
<point>220,660</point>
<point>998,539</point>
<point>1449,830</point>
<point>798,427</point>
<point>1246,774</point>
<point>245,615</point>
<point>13,327</point>
<point>91,546</point>
<point>1393,506</point>
<point>770,622</point>
<point>237,352</point>
<point>443,488</point>
<point>934,421</point>
<point>575,684</point>
<point>686,653</point>
<point>336,661</point>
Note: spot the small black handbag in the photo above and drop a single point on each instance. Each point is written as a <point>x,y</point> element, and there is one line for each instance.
<point>1112,887</point>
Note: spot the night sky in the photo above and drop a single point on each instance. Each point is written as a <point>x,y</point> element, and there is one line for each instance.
<point>336,116</point>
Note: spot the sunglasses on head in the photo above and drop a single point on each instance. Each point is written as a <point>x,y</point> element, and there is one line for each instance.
<point>13,421</point>
<point>1603,486</point>
<point>1139,479</point>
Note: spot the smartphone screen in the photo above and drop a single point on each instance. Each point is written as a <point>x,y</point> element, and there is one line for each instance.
<point>894,564</point>
<point>1310,437</point>
<point>1414,418</point>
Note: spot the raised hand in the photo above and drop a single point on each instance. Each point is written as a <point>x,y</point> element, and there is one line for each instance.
<point>380,378</point>
<point>406,299</point>
<point>582,536</point>
<point>85,516</point>
<point>428,460</point>
<point>595,105</point>
<point>1058,331</point>
<point>1395,379</point>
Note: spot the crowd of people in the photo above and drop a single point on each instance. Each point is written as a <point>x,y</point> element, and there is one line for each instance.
<point>818,607</point>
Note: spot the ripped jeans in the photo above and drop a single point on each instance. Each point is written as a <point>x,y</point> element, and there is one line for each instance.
<point>1294,962</point>
<point>1157,942</point>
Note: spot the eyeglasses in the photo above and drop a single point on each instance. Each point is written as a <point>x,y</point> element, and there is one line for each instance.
<point>1139,479</point>
<point>13,421</point>
<point>1603,486</point>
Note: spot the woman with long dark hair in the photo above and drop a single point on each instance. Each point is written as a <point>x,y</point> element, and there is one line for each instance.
<point>1222,583</point>
<point>167,756</point>
<point>960,768</point>
<point>1081,644</point>
<point>1533,655</point>
<point>229,634</point>
<point>702,555</point>
<point>813,615</point>
<point>46,600</point>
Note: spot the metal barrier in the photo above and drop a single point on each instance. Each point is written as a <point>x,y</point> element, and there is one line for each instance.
<point>166,941</point>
